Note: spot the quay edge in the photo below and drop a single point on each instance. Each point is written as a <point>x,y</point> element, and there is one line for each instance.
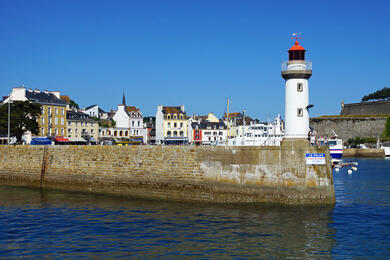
<point>221,174</point>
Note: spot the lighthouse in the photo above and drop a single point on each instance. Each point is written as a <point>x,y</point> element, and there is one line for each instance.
<point>296,72</point>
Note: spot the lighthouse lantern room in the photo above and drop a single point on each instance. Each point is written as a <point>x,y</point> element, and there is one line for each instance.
<point>296,71</point>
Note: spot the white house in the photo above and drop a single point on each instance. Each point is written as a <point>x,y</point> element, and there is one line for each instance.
<point>128,123</point>
<point>94,111</point>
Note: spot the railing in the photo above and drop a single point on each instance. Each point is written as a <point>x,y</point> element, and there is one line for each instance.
<point>296,65</point>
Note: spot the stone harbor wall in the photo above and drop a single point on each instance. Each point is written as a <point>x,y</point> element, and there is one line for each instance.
<point>349,127</point>
<point>180,173</point>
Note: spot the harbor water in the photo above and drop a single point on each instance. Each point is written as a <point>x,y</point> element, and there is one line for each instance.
<point>38,223</point>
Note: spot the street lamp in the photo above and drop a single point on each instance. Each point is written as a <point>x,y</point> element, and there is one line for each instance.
<point>9,117</point>
<point>9,120</point>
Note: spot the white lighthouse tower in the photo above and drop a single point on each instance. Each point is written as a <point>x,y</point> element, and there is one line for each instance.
<point>296,71</point>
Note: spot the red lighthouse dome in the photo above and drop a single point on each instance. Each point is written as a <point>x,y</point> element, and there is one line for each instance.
<point>296,52</point>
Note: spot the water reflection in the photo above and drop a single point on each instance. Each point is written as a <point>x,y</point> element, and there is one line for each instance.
<point>51,223</point>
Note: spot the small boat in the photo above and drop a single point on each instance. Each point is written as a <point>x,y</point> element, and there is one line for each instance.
<point>386,148</point>
<point>335,145</point>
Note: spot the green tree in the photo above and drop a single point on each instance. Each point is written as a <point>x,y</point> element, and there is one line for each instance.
<point>386,131</point>
<point>23,118</point>
<point>73,104</point>
<point>382,94</point>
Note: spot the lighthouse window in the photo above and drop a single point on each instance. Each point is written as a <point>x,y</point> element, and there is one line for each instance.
<point>300,112</point>
<point>299,87</point>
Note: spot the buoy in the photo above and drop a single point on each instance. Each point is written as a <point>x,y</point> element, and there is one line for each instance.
<point>337,169</point>
<point>349,171</point>
<point>354,168</point>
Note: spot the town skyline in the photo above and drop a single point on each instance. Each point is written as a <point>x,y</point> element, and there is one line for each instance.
<point>196,54</point>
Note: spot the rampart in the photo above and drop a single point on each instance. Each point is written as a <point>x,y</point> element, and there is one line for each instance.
<point>180,173</point>
<point>366,108</point>
<point>347,127</point>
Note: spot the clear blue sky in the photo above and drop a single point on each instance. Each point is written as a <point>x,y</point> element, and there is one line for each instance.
<point>195,53</point>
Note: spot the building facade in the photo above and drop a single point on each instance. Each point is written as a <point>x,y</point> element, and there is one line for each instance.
<point>128,124</point>
<point>209,133</point>
<point>52,121</point>
<point>95,111</point>
<point>171,125</point>
<point>81,126</point>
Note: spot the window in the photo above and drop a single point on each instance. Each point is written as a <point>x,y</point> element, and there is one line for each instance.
<point>62,111</point>
<point>174,133</point>
<point>299,87</point>
<point>69,123</point>
<point>70,130</point>
<point>76,123</point>
<point>42,110</point>
<point>175,125</point>
<point>139,123</point>
<point>62,131</point>
<point>169,133</point>
<point>174,117</point>
<point>81,123</point>
<point>42,131</point>
<point>56,131</point>
<point>56,120</point>
<point>181,125</point>
<point>49,110</point>
<point>91,124</point>
<point>169,125</point>
<point>43,120</point>
<point>181,133</point>
<point>62,121</point>
<point>56,111</point>
<point>300,112</point>
<point>169,117</point>
<point>132,123</point>
<point>92,131</point>
<point>76,130</point>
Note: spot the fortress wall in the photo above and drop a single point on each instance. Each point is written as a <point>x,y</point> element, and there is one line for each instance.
<point>349,127</point>
<point>366,108</point>
<point>181,173</point>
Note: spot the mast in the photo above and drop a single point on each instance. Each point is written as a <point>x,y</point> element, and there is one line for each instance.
<point>227,121</point>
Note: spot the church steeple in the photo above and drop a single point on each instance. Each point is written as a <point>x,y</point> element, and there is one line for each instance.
<point>123,99</point>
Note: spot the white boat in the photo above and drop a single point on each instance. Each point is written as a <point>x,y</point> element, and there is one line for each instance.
<point>335,145</point>
<point>261,134</point>
<point>386,148</point>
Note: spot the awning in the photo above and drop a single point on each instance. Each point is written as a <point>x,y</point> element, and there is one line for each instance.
<point>40,141</point>
<point>78,139</point>
<point>61,139</point>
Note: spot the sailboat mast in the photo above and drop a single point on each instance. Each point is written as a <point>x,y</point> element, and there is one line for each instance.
<point>227,121</point>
